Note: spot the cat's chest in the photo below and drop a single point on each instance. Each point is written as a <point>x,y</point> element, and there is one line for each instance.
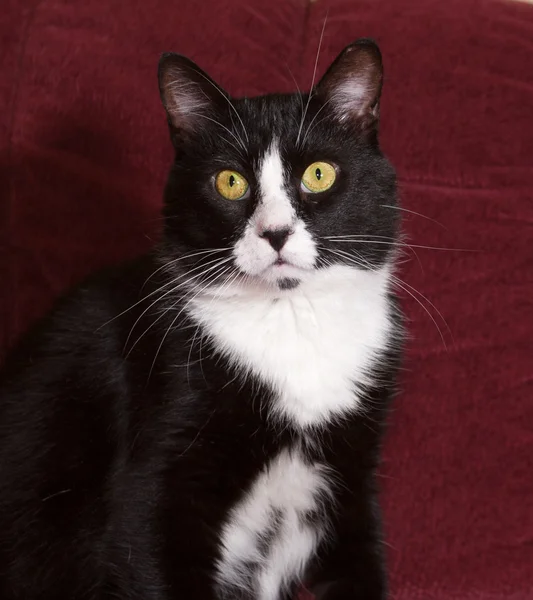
<point>273,531</point>
<point>312,349</point>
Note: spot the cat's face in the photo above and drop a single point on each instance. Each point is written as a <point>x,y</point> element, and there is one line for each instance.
<point>279,187</point>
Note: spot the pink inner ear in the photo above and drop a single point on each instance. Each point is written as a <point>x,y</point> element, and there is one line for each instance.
<point>351,96</point>
<point>184,99</point>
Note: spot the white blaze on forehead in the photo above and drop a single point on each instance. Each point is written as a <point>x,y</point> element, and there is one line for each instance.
<point>253,253</point>
<point>274,210</point>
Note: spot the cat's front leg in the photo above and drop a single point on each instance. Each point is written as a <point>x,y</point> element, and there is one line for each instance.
<point>352,567</point>
<point>366,582</point>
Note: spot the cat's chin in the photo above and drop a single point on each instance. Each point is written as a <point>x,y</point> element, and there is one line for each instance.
<point>270,283</point>
<point>272,288</point>
<point>286,279</point>
<point>288,283</point>
<point>286,276</point>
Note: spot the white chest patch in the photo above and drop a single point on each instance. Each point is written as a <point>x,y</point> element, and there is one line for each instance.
<point>312,346</point>
<point>267,540</point>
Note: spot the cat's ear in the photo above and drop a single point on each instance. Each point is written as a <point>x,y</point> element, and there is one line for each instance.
<point>352,84</point>
<point>188,94</point>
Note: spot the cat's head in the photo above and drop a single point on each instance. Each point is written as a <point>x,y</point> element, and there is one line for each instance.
<point>267,192</point>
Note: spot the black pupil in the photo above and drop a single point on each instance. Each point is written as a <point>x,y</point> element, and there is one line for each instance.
<point>318,174</point>
<point>231,180</point>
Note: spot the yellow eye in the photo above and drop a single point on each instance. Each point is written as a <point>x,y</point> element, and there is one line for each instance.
<point>231,185</point>
<point>318,177</point>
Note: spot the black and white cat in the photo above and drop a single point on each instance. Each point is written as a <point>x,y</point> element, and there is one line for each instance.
<point>204,423</point>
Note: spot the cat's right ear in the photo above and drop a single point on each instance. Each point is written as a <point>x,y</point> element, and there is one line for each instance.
<point>188,94</point>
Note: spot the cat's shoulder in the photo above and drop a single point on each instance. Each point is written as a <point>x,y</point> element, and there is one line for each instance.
<point>83,317</point>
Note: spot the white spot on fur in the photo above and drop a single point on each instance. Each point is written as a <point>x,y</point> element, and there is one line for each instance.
<point>275,506</point>
<point>312,346</point>
<point>253,254</point>
<point>275,210</point>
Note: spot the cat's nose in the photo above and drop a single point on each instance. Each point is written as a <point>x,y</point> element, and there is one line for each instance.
<point>276,237</point>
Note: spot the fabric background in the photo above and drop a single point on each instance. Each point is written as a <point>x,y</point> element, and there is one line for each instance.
<point>83,157</point>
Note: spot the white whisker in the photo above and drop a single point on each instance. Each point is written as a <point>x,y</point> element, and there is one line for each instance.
<point>364,264</point>
<point>297,87</point>
<point>198,328</point>
<point>217,261</point>
<point>313,80</point>
<point>400,281</point>
<point>169,264</point>
<point>396,282</point>
<point>221,92</point>
<point>412,212</point>
<point>351,239</point>
<point>218,264</point>
<point>189,300</point>
<point>144,298</point>
<point>235,137</point>
<point>311,126</point>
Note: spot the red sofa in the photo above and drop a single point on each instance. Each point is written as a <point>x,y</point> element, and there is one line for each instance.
<point>83,159</point>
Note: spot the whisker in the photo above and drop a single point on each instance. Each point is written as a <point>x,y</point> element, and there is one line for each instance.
<point>313,80</point>
<point>218,264</point>
<point>397,279</point>
<point>198,328</point>
<point>359,235</point>
<point>396,282</point>
<point>144,298</point>
<point>351,239</point>
<point>230,104</point>
<point>350,256</point>
<point>196,331</point>
<point>412,212</point>
<point>202,288</point>
<point>398,243</point>
<point>405,287</point>
<point>229,279</point>
<point>217,261</point>
<point>169,264</point>
<point>300,95</point>
<point>237,139</point>
<point>310,126</point>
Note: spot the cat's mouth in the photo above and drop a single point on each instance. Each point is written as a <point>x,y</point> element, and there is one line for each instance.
<point>284,274</point>
<point>281,274</point>
<point>282,267</point>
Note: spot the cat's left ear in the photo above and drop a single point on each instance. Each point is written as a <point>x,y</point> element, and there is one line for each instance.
<point>352,84</point>
<point>188,94</point>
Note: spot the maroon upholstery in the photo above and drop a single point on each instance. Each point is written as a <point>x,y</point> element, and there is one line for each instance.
<point>83,157</point>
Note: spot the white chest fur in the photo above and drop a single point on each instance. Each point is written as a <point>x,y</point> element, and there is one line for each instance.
<point>267,541</point>
<point>312,346</point>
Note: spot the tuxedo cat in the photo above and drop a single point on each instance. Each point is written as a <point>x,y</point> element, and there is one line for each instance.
<point>204,423</point>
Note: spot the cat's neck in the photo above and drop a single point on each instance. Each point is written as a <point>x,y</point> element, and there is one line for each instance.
<point>313,346</point>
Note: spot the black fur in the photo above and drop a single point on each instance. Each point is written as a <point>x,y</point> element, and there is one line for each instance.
<point>124,443</point>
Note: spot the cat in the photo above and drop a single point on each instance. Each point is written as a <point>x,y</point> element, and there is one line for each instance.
<point>204,422</point>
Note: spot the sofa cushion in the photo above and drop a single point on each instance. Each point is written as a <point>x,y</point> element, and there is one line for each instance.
<point>83,159</point>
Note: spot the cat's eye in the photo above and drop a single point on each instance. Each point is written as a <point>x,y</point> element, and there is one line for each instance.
<point>231,185</point>
<point>318,177</point>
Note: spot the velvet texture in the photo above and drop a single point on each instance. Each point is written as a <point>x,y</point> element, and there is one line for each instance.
<point>84,152</point>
